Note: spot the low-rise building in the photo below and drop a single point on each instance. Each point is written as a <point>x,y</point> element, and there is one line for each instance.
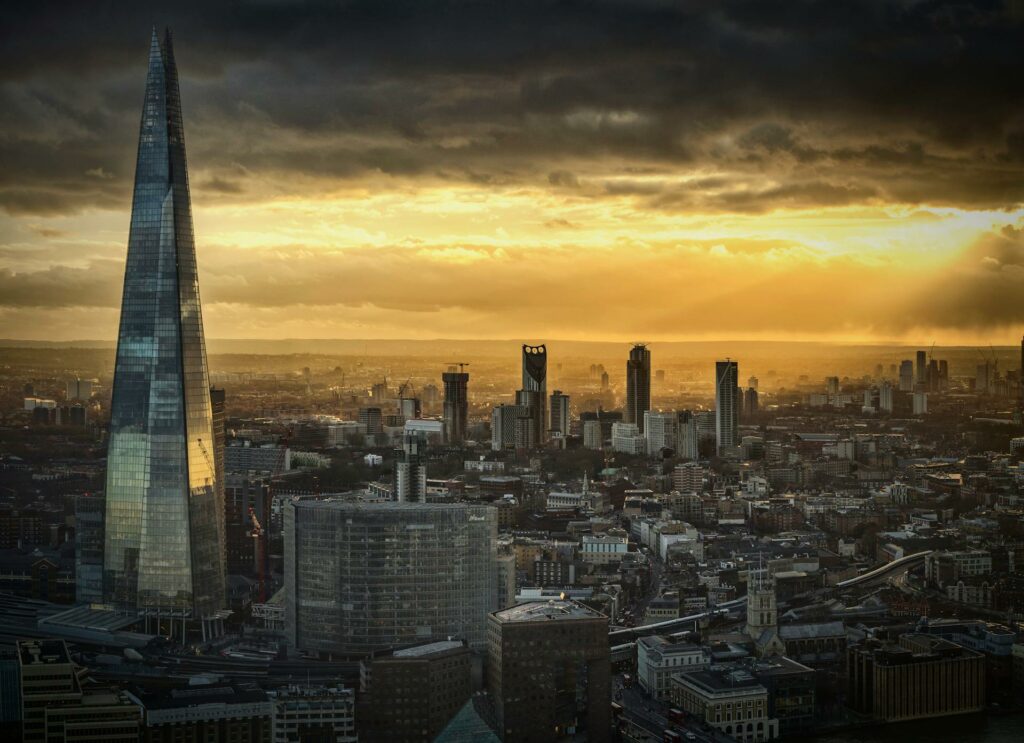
<point>728,699</point>
<point>657,658</point>
<point>313,714</point>
<point>922,676</point>
<point>410,694</point>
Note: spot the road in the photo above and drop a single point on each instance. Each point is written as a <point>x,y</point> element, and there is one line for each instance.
<point>650,716</point>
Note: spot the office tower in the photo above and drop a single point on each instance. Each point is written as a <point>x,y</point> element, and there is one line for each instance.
<point>605,380</point>
<point>726,413</point>
<point>247,511</point>
<point>750,401</point>
<point>593,437</point>
<point>409,695</point>
<point>79,389</point>
<point>832,385</point>
<point>559,413</point>
<point>218,416</point>
<point>752,383</point>
<point>659,375</point>
<point>56,705</point>
<point>638,385</point>
<point>363,577</point>
<point>626,438</point>
<point>409,408</point>
<point>687,436</point>
<point>534,391</point>
<point>920,403</point>
<point>660,432</point>
<point>885,396</point>
<point>688,477</point>
<point>512,427</point>
<point>921,677</point>
<point>906,376</point>
<point>410,482</point>
<point>372,418</point>
<point>921,379</point>
<point>456,405</point>
<point>932,378</point>
<point>549,672</point>
<point>943,375</point>
<point>89,548</point>
<point>534,404</point>
<point>313,714</point>
<point>163,554</point>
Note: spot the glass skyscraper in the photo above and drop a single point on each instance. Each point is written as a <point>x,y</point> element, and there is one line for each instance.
<point>638,385</point>
<point>163,553</point>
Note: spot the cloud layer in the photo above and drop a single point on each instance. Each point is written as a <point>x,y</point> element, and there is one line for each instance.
<point>564,157</point>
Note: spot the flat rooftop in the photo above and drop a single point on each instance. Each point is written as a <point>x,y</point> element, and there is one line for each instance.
<point>41,652</point>
<point>432,648</point>
<point>541,611</point>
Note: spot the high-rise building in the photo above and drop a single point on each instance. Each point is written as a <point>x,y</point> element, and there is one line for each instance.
<point>79,389</point>
<point>410,485</point>
<point>660,430</point>
<point>726,405</point>
<point>559,413</point>
<point>456,405</point>
<point>512,427</point>
<point>534,405</point>
<point>372,418</point>
<point>163,554</point>
<point>832,385</point>
<point>906,376</point>
<point>549,672</point>
<point>750,401</point>
<point>593,436</point>
<point>364,577</point>
<point>89,548</point>
<point>534,391</point>
<point>921,373</point>
<point>920,403</point>
<point>752,383</point>
<point>409,408</point>
<point>885,396</point>
<point>687,436</point>
<point>638,385</point>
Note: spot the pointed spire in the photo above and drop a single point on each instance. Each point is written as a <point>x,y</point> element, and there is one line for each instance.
<point>156,56</point>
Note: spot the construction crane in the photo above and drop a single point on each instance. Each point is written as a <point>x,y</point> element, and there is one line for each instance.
<point>461,364</point>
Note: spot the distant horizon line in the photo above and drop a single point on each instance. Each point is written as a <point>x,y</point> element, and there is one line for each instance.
<point>101,342</point>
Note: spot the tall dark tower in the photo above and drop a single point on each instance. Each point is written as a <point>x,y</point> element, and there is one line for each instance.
<point>163,550</point>
<point>534,392</point>
<point>638,385</point>
<point>456,405</point>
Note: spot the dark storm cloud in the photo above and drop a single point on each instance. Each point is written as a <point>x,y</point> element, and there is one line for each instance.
<point>900,101</point>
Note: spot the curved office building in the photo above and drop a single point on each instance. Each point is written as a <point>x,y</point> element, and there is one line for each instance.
<point>361,577</point>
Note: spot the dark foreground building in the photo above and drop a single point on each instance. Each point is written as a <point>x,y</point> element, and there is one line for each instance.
<point>549,671</point>
<point>409,695</point>
<point>163,547</point>
<point>922,676</point>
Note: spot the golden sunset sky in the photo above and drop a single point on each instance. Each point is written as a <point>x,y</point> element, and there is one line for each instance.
<point>597,171</point>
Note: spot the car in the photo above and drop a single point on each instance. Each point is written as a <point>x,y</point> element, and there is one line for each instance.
<point>691,736</point>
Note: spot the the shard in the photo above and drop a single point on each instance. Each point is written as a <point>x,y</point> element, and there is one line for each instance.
<point>163,554</point>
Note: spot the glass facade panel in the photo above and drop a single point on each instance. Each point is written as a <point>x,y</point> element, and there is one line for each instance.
<point>163,541</point>
<point>365,577</point>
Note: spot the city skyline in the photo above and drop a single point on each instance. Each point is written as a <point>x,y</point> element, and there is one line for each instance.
<point>459,178</point>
